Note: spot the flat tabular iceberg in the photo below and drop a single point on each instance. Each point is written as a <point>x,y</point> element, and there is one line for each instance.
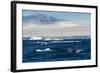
<point>35,38</point>
<point>45,50</point>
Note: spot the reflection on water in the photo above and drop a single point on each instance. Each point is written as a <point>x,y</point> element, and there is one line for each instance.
<point>56,50</point>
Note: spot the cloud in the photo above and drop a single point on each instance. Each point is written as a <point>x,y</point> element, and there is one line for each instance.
<point>59,28</point>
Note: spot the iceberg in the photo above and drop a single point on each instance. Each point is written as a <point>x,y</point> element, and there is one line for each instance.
<point>45,50</point>
<point>35,38</point>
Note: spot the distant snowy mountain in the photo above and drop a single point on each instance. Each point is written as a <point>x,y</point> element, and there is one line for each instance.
<point>56,38</point>
<point>40,19</point>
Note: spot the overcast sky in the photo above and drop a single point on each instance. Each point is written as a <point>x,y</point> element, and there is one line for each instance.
<point>73,24</point>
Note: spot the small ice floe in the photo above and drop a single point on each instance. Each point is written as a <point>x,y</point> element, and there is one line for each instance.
<point>78,51</point>
<point>45,43</point>
<point>44,50</point>
<point>74,50</point>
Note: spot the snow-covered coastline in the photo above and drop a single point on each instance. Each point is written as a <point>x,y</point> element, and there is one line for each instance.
<point>56,38</point>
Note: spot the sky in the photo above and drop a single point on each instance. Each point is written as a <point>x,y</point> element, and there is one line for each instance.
<point>74,23</point>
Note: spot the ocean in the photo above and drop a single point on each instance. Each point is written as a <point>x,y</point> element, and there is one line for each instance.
<point>56,50</point>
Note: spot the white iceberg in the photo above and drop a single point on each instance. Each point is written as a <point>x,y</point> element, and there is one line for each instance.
<point>35,38</point>
<point>45,50</point>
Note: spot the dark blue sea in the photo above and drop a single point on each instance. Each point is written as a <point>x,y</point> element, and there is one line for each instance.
<point>56,50</point>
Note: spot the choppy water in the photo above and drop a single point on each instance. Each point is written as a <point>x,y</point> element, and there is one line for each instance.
<point>51,50</point>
